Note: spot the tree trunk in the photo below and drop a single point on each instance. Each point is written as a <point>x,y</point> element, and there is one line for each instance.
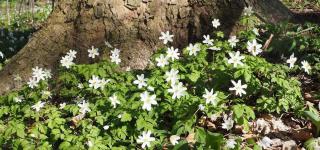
<point>133,26</point>
<point>271,11</point>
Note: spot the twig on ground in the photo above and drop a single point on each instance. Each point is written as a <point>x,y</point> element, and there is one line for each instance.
<point>267,43</point>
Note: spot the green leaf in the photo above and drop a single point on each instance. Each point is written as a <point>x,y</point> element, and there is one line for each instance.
<point>194,76</point>
<point>20,130</point>
<point>183,145</point>
<point>64,145</point>
<point>126,117</point>
<point>238,110</point>
<point>313,117</point>
<point>55,131</point>
<point>247,75</point>
<point>100,120</point>
<point>201,135</point>
<point>209,139</point>
<point>250,113</point>
<point>311,143</point>
<point>257,147</point>
<point>214,140</point>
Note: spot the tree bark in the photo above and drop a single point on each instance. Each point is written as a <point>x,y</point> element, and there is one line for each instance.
<point>271,11</point>
<point>132,26</point>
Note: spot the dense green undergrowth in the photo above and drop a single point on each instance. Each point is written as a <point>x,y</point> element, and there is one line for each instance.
<point>61,123</point>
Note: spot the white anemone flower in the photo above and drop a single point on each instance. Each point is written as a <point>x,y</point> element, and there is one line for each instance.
<point>207,40</point>
<point>247,11</point>
<point>145,139</point>
<point>238,87</point>
<point>38,105</point>
<point>292,60</point>
<point>306,66</point>
<point>166,37</point>
<point>172,76</point>
<point>114,100</point>
<point>162,61</point>
<point>228,122</point>
<point>93,52</point>
<point>32,83</point>
<point>231,143</point>
<point>67,62</point>
<point>173,53</point>
<point>84,107</point>
<point>216,23</point>
<point>235,59</point>
<point>38,74</point>
<point>177,90</point>
<point>148,100</point>
<point>193,49</point>
<point>174,139</point>
<point>254,47</point>
<point>94,82</point>
<point>141,81</point>
<point>233,41</point>
<point>210,97</point>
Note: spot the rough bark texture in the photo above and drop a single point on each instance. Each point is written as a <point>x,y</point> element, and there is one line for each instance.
<point>274,11</point>
<point>133,26</point>
<point>271,11</point>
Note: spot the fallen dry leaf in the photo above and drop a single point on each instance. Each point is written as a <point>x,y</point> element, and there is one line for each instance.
<point>301,135</point>
<point>190,138</point>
